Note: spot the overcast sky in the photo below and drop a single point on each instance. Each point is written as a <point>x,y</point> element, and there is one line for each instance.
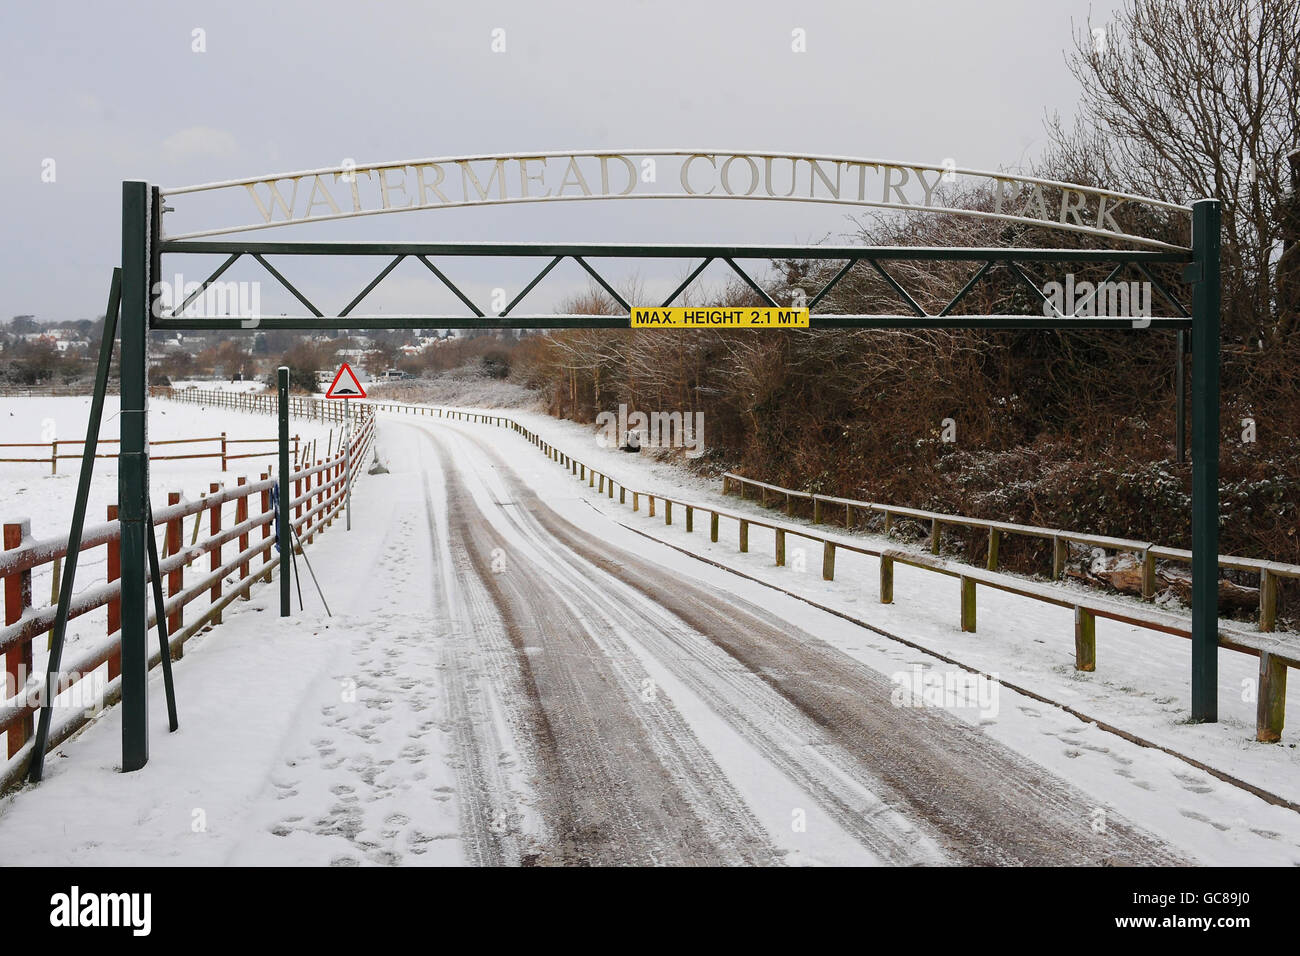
<point>114,91</point>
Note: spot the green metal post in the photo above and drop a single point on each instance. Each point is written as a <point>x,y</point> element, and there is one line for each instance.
<point>58,633</point>
<point>286,492</point>
<point>1204,272</point>
<point>1180,392</point>
<point>133,472</point>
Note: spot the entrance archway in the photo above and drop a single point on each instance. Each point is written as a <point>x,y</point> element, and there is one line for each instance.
<point>352,191</point>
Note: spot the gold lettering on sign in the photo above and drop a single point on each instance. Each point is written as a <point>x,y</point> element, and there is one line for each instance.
<point>522,178</point>
<point>385,186</point>
<point>467,176</point>
<point>424,188</point>
<point>318,187</point>
<point>578,180</point>
<point>525,177</point>
<point>604,175</point>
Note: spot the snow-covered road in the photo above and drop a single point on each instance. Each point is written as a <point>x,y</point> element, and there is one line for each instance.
<point>513,678</point>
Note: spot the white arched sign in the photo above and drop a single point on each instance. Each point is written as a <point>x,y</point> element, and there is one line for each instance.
<point>350,190</point>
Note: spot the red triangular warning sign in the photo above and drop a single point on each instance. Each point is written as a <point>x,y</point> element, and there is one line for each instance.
<point>345,384</point>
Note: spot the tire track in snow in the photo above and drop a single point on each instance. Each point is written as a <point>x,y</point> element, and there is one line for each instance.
<point>620,780</point>
<point>985,803</point>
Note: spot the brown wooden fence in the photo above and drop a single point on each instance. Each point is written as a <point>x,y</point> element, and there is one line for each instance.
<point>242,550</point>
<point>300,406</point>
<point>60,450</point>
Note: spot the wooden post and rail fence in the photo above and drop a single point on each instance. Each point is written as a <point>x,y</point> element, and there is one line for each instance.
<point>854,512</point>
<point>60,449</point>
<point>240,554</point>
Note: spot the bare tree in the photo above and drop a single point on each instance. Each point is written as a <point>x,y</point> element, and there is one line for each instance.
<point>1184,99</point>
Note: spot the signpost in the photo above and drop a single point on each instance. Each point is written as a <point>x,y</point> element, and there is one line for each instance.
<point>345,386</point>
<point>197,215</point>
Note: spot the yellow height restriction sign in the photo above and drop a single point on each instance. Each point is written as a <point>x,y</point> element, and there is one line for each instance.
<point>683,317</point>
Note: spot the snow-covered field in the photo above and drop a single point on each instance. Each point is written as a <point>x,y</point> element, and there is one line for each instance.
<point>387,733</point>
<point>29,491</point>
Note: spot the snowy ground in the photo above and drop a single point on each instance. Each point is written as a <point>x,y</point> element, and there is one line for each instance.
<point>30,491</point>
<point>522,677</point>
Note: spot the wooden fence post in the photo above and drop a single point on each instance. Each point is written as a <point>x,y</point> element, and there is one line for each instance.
<point>241,515</point>
<point>1060,551</point>
<point>828,561</point>
<point>886,579</point>
<point>18,660</point>
<point>214,528</point>
<point>690,519</point>
<point>968,604</point>
<point>780,548</point>
<point>668,511</point>
<point>114,606</point>
<point>1267,601</point>
<point>934,535</point>
<point>650,501</point>
<point>224,459</point>
<point>713,526</point>
<point>319,496</point>
<point>817,510</point>
<point>1270,708</point>
<point>54,457</point>
<point>994,535</point>
<point>1085,640</point>
<point>1148,575</point>
<point>744,535</point>
<point>175,579</point>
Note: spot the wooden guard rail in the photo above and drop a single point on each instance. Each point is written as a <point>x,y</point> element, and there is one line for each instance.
<point>222,452</point>
<point>300,406</point>
<point>1275,652</point>
<point>1147,552</point>
<point>318,492</point>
